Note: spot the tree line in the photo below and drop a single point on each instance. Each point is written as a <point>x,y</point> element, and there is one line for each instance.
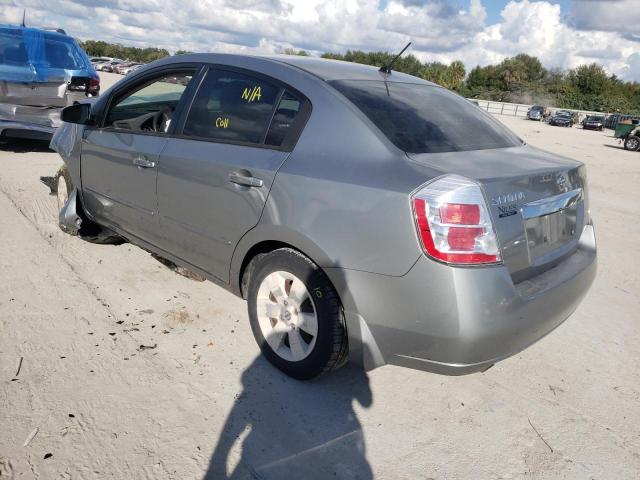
<point>519,79</point>
<point>98,48</point>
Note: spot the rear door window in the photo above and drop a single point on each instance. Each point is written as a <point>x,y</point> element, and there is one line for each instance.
<point>39,51</point>
<point>422,118</point>
<point>234,107</point>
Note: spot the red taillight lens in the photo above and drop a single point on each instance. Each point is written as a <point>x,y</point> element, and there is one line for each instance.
<point>94,86</point>
<point>463,238</point>
<point>454,223</point>
<point>460,213</point>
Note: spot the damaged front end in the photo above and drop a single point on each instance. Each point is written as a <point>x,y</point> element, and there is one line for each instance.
<point>69,218</point>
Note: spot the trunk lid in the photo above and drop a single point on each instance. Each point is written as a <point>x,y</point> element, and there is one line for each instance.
<point>36,94</point>
<point>537,201</point>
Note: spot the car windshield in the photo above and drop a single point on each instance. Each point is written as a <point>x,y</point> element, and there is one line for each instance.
<point>37,50</point>
<point>594,119</point>
<point>420,118</point>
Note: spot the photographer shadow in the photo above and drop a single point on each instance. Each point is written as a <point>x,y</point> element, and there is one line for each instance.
<point>282,428</point>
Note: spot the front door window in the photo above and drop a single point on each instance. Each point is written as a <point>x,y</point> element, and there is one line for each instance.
<point>150,107</point>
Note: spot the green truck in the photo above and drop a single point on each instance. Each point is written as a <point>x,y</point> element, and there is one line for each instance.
<point>629,133</point>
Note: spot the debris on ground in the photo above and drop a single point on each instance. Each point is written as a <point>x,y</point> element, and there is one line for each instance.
<point>31,436</point>
<point>19,367</point>
<point>147,347</point>
<point>178,317</point>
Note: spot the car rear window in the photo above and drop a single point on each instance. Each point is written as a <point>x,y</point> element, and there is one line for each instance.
<point>37,50</point>
<point>420,118</point>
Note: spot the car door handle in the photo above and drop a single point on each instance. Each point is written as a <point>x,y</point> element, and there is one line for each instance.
<point>244,179</point>
<point>144,162</point>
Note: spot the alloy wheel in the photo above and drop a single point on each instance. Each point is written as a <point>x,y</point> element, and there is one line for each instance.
<point>287,316</point>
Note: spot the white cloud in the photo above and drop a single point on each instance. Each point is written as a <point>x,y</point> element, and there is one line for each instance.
<point>440,30</point>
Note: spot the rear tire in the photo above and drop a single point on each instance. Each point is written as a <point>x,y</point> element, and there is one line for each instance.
<point>632,143</point>
<point>292,303</point>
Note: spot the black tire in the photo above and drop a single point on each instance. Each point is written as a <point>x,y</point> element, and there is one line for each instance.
<point>330,351</point>
<point>632,143</point>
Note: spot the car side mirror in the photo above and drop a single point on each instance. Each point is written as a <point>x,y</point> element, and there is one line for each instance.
<point>79,113</point>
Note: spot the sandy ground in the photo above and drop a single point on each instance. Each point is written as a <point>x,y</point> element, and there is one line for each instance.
<point>202,401</point>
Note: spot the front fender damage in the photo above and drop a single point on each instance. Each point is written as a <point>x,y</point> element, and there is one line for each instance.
<point>69,217</point>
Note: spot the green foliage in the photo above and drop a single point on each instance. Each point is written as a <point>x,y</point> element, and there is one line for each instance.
<point>292,51</point>
<point>450,76</point>
<point>519,79</point>
<point>98,48</point>
<point>523,79</point>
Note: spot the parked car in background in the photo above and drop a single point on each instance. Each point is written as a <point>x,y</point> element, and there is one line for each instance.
<point>41,71</point>
<point>537,112</point>
<point>593,122</point>
<point>132,68</point>
<point>122,68</point>
<point>108,66</point>
<point>404,240</point>
<point>561,119</point>
<point>97,60</point>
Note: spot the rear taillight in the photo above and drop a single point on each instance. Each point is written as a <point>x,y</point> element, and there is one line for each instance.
<point>453,222</point>
<point>94,86</point>
<point>89,85</point>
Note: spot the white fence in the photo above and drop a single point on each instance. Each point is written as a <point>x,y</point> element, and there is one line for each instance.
<point>520,110</point>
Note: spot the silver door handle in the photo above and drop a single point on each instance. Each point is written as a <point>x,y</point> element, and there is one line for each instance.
<point>247,181</point>
<point>144,162</point>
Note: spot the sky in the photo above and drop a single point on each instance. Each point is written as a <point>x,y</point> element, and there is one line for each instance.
<point>562,33</point>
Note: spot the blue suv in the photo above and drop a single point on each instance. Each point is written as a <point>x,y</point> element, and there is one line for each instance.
<point>41,72</point>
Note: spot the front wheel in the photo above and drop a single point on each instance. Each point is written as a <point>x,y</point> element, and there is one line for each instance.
<point>632,143</point>
<point>295,314</point>
<point>64,186</point>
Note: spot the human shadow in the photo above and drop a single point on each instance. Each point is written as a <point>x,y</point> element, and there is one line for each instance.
<point>287,429</point>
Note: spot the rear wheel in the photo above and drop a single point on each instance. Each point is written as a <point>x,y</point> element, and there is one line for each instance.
<point>295,314</point>
<point>632,143</point>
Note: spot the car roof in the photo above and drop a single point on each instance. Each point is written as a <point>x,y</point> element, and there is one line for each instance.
<point>49,32</point>
<point>323,68</point>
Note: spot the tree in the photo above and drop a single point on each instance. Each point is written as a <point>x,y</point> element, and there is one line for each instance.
<point>590,79</point>
<point>293,51</point>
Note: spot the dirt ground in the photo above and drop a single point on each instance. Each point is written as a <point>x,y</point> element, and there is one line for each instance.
<point>130,371</point>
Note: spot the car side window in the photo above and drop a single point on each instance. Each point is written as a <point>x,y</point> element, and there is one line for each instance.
<point>232,107</point>
<point>149,107</point>
<point>283,118</point>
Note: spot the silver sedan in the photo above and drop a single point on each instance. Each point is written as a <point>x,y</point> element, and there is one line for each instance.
<point>365,215</point>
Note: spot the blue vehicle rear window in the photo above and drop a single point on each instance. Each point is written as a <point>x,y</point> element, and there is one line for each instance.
<point>27,54</point>
<point>420,118</point>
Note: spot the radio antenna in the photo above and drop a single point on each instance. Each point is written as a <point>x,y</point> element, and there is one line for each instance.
<point>387,68</point>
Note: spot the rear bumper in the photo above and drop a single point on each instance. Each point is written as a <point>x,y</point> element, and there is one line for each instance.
<point>17,119</point>
<point>456,321</point>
